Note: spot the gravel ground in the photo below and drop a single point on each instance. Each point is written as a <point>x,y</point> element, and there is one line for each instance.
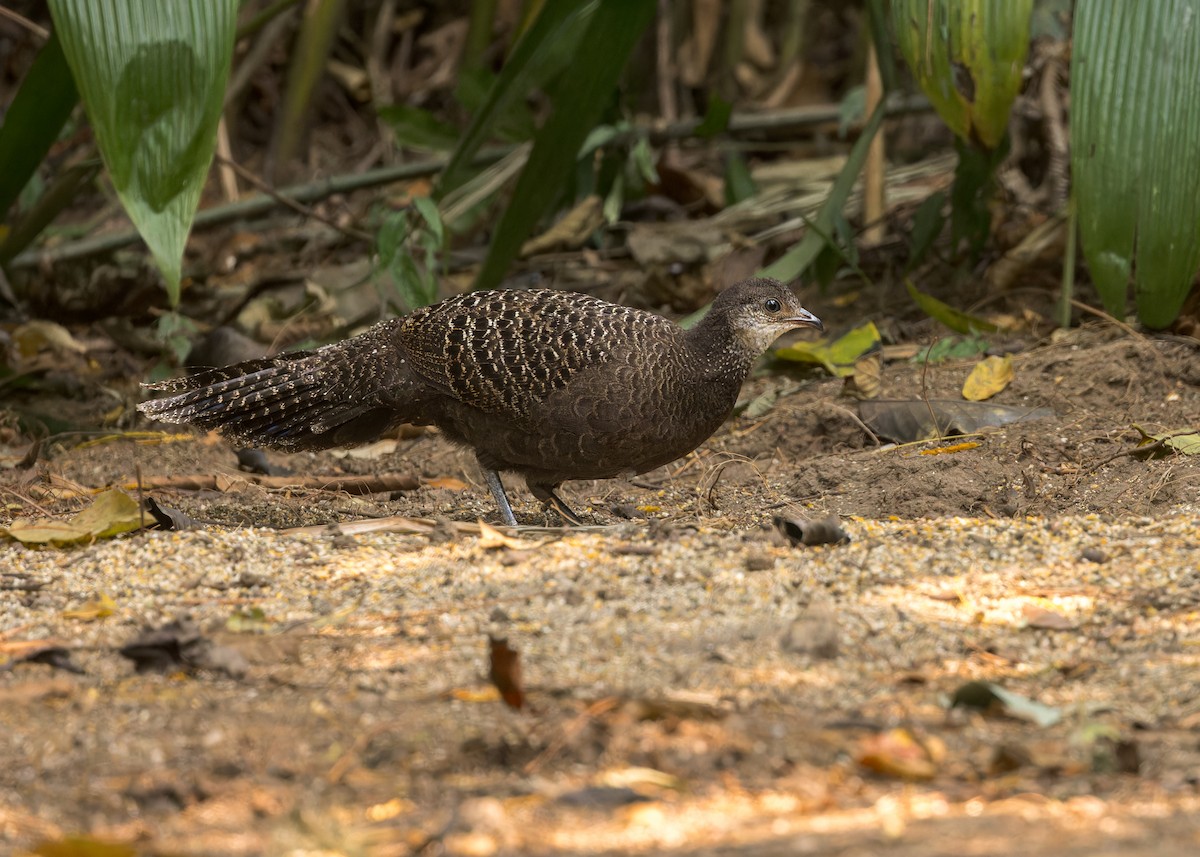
<point>694,688</point>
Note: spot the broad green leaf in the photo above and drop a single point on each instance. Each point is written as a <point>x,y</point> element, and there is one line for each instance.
<point>152,77</point>
<point>839,356</point>
<point>927,226</point>
<point>968,56</point>
<point>1135,150</point>
<point>851,109</point>
<point>428,210</point>
<point>971,195</point>
<point>956,320</point>
<point>515,123</point>
<point>952,348</point>
<point>33,120</point>
<point>583,90</point>
<point>795,262</point>
<point>877,18</point>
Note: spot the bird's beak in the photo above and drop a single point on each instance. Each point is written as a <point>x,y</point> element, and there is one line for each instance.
<point>804,318</point>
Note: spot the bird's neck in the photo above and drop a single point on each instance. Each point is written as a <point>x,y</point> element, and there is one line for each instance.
<point>720,354</point>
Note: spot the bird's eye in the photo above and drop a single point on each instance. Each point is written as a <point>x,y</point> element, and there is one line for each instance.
<point>772,305</point>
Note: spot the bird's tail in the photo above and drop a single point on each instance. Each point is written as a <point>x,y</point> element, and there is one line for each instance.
<point>296,401</point>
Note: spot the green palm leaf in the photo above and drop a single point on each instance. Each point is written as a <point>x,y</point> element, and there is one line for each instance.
<point>152,76</point>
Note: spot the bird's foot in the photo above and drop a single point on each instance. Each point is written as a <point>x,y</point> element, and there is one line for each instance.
<point>563,510</point>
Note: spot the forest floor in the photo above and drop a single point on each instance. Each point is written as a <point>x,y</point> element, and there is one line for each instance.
<point>691,682</point>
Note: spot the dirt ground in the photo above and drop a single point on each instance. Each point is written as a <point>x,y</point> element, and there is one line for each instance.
<point>693,683</point>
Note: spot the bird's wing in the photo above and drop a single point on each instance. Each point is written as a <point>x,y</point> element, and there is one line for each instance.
<point>505,352</point>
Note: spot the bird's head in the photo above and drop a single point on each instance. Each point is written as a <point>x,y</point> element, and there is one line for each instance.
<point>759,311</point>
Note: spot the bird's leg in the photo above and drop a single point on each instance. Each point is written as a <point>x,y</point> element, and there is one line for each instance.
<point>497,488</point>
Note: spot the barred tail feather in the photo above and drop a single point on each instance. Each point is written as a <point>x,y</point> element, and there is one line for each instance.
<point>292,402</point>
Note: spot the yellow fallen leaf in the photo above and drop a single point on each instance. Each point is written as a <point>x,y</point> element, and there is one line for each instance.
<point>33,336</point>
<point>476,694</point>
<point>448,482</point>
<point>897,753</point>
<point>111,513</point>
<point>491,538</point>
<point>989,377</point>
<point>100,607</point>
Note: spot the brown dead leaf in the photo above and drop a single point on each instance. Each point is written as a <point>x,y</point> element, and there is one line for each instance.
<point>31,691</point>
<point>570,232</point>
<point>867,380</point>
<point>505,672</point>
<point>1036,616</point>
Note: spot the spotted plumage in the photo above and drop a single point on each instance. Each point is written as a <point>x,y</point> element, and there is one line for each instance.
<point>552,385</point>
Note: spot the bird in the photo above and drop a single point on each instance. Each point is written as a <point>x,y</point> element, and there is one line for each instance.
<point>548,384</point>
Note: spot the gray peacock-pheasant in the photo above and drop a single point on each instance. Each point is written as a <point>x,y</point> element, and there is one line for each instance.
<point>550,385</point>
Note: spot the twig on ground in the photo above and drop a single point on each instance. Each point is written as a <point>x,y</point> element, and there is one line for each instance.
<point>344,484</point>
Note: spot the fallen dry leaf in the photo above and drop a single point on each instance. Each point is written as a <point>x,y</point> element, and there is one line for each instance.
<point>505,672</point>
<point>1036,616</point>
<point>100,607</point>
<point>989,377</point>
<point>896,753</point>
<point>111,513</point>
<point>448,482</point>
<point>491,538</point>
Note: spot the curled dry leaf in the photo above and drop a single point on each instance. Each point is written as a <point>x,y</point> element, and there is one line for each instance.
<point>822,531</point>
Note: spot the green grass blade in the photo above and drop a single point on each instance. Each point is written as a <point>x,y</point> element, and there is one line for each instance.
<point>152,76</point>
<point>545,47</point>
<point>309,56</point>
<point>584,88</point>
<point>33,121</point>
<point>1135,150</point>
<point>60,193</point>
<point>796,261</point>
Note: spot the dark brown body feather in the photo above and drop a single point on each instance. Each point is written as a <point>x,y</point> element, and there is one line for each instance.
<point>552,385</point>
